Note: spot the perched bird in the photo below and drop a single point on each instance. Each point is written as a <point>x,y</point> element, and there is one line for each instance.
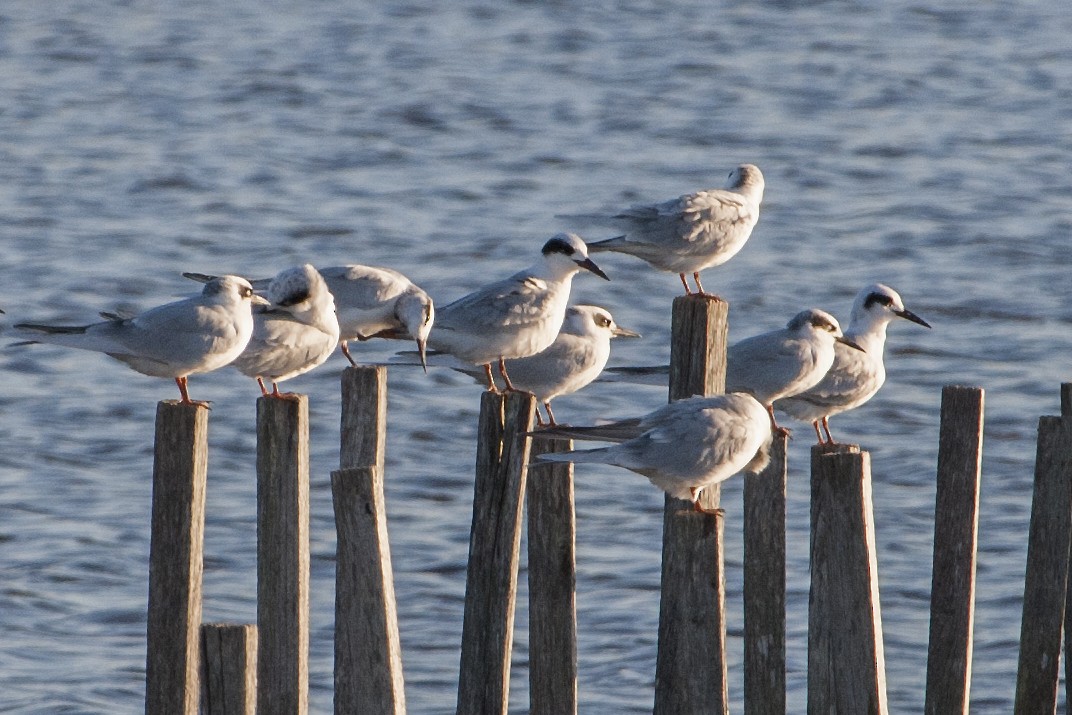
<point>515,317</point>
<point>683,447</point>
<point>578,355</point>
<point>694,231</point>
<point>782,363</point>
<point>176,340</point>
<point>376,302</point>
<point>855,376</point>
<point>295,333</point>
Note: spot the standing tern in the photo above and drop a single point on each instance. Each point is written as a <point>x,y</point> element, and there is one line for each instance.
<point>785,362</point>
<point>295,333</point>
<point>576,358</point>
<point>516,317</point>
<point>176,340</point>
<point>682,447</point>
<point>855,376</point>
<point>694,231</point>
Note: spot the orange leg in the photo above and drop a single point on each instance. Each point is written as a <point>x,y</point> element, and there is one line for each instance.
<point>346,352</point>
<point>181,382</point>
<point>699,286</point>
<point>815,424</point>
<point>684,283</point>
<point>264,390</point>
<point>774,423</point>
<point>826,426</point>
<point>492,387</point>
<point>550,414</point>
<point>506,377</point>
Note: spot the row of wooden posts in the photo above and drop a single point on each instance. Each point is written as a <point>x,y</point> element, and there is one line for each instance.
<point>264,667</point>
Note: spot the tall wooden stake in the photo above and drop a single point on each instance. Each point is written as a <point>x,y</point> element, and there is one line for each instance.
<point>180,467</point>
<point>230,665</point>
<point>283,555</point>
<point>956,532</point>
<point>690,674</point>
<point>491,579</point>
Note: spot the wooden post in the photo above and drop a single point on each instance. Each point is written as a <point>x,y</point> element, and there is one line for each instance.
<point>364,417</point>
<point>491,578</point>
<point>690,671</point>
<point>552,583</point>
<point>180,467</point>
<point>846,665</point>
<point>368,652</point>
<point>1066,411</point>
<point>1046,581</point>
<point>764,585</point>
<point>230,668</point>
<point>956,530</point>
<point>283,554</point>
<point>368,655</point>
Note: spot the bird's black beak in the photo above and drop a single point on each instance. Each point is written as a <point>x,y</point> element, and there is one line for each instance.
<point>422,348</point>
<point>845,341</point>
<point>589,264</point>
<point>909,315</point>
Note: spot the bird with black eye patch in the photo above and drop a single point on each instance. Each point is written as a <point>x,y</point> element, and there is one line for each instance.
<point>574,359</point>
<point>692,232</point>
<point>781,363</point>
<point>373,302</point>
<point>515,317</point>
<point>296,332</point>
<point>854,377</point>
<point>184,338</point>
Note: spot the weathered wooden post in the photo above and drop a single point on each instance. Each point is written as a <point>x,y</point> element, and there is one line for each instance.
<point>229,655</point>
<point>1046,581</point>
<point>956,531</point>
<point>764,585</point>
<point>690,671</point>
<point>368,653</point>
<point>552,583</point>
<point>180,467</point>
<point>846,665</point>
<point>502,458</point>
<point>283,554</point>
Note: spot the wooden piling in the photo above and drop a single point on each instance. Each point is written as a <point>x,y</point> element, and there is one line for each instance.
<point>364,417</point>
<point>1046,582</point>
<point>552,570</point>
<point>368,652</point>
<point>229,657</point>
<point>283,554</point>
<point>690,672</point>
<point>846,665</point>
<point>180,468</point>
<point>491,578</point>
<point>956,531</point>
<point>764,585</point>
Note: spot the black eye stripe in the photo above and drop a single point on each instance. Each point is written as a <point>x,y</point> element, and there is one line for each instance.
<point>294,298</point>
<point>880,298</point>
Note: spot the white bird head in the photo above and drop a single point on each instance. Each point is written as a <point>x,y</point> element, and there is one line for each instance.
<point>878,304</point>
<point>819,322</point>
<point>746,179</point>
<point>227,289</point>
<point>417,313</point>
<point>592,320</point>
<point>565,254</point>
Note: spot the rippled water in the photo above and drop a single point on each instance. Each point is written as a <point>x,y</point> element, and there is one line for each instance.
<point>923,144</point>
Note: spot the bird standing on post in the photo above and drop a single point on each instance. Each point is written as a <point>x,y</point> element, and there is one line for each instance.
<point>855,376</point>
<point>694,231</point>
<point>785,362</point>
<point>176,340</point>
<point>515,317</point>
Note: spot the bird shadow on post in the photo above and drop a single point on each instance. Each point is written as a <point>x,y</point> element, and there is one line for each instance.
<point>176,559</point>
<point>494,542</point>
<point>690,674</point>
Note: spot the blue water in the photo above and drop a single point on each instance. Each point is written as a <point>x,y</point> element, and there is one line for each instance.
<point>923,144</point>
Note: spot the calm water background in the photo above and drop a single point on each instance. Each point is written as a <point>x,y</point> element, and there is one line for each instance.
<point>920,143</point>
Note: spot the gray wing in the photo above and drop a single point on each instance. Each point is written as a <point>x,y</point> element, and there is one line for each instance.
<point>516,301</point>
<point>766,364</point>
<point>704,217</point>
<point>364,287</point>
